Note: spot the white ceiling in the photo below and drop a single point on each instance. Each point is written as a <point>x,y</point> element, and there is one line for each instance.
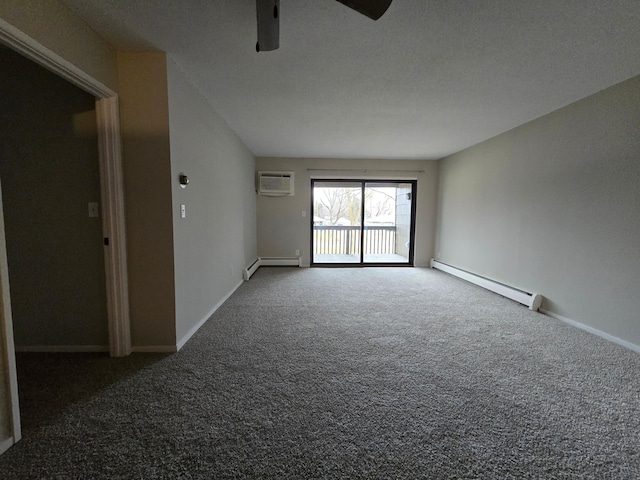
<point>428,79</point>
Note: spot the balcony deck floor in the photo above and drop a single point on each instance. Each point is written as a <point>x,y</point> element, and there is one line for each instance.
<point>368,258</point>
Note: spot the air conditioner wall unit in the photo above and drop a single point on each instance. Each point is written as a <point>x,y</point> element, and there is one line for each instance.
<point>275,184</point>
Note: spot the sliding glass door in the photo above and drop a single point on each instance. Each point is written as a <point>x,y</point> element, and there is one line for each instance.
<point>361,222</point>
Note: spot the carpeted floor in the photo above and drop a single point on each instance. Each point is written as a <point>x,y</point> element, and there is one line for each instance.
<point>341,373</point>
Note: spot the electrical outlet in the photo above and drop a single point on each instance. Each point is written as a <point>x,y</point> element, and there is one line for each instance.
<point>297,253</point>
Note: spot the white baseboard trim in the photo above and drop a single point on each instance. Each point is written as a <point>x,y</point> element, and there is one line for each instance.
<point>594,331</point>
<point>62,348</point>
<point>6,445</point>
<point>154,349</point>
<point>198,325</point>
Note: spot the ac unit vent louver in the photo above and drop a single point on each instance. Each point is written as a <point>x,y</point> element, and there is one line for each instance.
<point>275,184</point>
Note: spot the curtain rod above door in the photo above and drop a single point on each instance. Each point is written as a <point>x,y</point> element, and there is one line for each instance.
<point>367,170</point>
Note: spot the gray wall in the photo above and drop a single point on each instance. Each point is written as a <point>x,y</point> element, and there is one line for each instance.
<point>554,207</point>
<point>217,238</point>
<point>282,230</point>
<point>50,172</point>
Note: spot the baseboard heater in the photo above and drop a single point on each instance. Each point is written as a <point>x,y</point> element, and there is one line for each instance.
<point>271,262</point>
<point>531,300</point>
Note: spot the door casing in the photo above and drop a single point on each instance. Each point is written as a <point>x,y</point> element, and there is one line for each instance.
<point>363,182</point>
<point>113,212</point>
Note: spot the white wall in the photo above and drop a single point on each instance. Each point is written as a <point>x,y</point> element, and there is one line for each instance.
<point>218,236</point>
<point>554,207</point>
<point>282,230</point>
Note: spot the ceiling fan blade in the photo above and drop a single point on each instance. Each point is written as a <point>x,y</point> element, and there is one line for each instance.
<point>268,13</point>
<point>373,9</point>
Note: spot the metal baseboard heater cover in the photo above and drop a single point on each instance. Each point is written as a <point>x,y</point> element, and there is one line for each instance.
<point>271,262</point>
<point>531,300</point>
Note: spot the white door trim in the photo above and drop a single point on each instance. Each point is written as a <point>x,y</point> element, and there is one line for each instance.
<point>34,50</point>
<point>113,214</point>
<point>113,225</point>
<point>6,336</point>
<point>111,178</point>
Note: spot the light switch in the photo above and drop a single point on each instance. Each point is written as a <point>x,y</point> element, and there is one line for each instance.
<point>183,211</point>
<point>304,214</point>
<point>94,210</point>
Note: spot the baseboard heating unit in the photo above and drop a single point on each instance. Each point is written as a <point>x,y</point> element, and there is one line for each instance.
<point>271,262</point>
<point>531,300</point>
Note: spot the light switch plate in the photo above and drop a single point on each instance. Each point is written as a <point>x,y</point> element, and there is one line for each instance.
<point>94,210</point>
<point>183,211</point>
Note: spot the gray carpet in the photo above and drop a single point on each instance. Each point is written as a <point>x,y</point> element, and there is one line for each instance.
<point>342,373</point>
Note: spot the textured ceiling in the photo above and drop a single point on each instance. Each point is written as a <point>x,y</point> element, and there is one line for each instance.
<point>428,79</point>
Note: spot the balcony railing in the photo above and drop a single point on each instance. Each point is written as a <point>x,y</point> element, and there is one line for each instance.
<point>345,240</point>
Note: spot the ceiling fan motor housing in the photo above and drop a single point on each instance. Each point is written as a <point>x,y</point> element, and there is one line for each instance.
<point>268,12</point>
<point>373,9</point>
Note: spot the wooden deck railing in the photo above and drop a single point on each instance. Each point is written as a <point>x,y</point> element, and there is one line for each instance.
<point>345,240</point>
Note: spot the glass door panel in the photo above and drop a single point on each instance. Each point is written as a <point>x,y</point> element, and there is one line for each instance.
<point>388,222</point>
<point>337,222</point>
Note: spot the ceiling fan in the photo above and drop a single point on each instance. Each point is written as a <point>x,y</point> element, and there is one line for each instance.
<point>268,12</point>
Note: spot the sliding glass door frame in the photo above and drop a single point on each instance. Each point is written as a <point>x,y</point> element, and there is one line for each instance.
<point>362,263</point>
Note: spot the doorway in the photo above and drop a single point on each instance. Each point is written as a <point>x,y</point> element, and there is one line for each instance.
<point>362,222</point>
<point>51,195</point>
<point>113,227</point>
